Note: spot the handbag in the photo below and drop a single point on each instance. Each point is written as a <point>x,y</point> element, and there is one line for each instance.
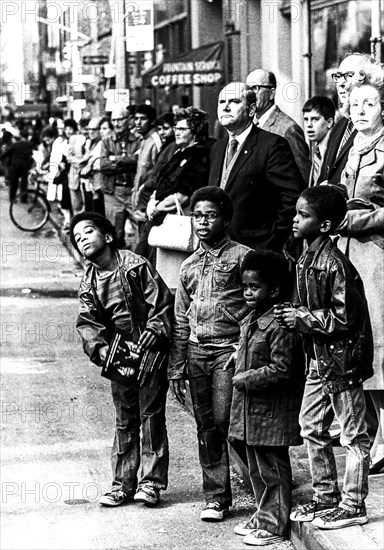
<point>175,233</point>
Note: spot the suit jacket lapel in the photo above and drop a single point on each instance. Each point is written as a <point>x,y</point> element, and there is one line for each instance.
<point>243,156</point>
<point>347,145</point>
<point>217,161</point>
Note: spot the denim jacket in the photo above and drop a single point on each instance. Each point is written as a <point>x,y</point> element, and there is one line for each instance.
<point>149,303</point>
<point>334,319</point>
<point>209,301</point>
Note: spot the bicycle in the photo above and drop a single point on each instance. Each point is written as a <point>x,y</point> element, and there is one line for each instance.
<point>30,209</point>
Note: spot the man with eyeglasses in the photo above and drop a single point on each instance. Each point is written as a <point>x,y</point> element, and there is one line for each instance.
<point>118,163</point>
<point>350,71</point>
<point>272,119</point>
<point>257,170</point>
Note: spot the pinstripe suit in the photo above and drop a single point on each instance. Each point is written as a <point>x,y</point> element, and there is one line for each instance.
<point>335,161</point>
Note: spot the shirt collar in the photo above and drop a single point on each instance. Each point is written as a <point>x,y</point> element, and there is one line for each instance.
<point>263,119</point>
<point>216,250</point>
<point>323,144</point>
<point>241,137</point>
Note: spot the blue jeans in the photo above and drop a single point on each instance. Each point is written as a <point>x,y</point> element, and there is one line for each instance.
<point>271,477</point>
<point>143,408</point>
<point>317,413</point>
<point>211,393</point>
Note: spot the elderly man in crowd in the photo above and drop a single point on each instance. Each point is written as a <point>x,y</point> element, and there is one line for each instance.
<point>351,70</point>
<point>258,171</point>
<point>118,163</point>
<point>272,119</point>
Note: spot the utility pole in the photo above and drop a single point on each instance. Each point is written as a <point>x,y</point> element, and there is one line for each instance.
<point>376,30</point>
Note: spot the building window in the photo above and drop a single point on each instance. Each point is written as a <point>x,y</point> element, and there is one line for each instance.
<point>338,28</point>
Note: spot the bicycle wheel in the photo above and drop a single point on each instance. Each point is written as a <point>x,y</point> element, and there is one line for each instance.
<point>29,211</point>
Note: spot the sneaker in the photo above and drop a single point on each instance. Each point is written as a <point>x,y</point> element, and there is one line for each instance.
<point>213,511</point>
<point>311,510</point>
<point>148,495</point>
<point>260,537</point>
<point>244,528</point>
<point>340,517</point>
<point>114,498</point>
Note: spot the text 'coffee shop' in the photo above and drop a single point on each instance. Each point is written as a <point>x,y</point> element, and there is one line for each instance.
<point>193,79</point>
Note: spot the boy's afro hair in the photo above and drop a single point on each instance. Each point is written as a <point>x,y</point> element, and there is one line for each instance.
<point>328,201</point>
<point>101,222</point>
<point>217,196</point>
<point>272,267</point>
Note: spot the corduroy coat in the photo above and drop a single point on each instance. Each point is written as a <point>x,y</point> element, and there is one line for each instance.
<point>267,412</point>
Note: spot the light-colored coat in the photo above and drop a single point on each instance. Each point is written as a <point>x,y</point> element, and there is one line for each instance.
<point>363,242</point>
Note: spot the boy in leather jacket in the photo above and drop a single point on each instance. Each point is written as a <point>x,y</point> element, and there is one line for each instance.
<point>122,290</point>
<point>333,319</point>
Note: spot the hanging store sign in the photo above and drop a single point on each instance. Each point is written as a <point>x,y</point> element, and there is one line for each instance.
<point>200,67</point>
<point>139,25</point>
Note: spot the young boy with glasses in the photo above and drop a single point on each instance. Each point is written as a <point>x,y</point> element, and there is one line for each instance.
<point>209,307</point>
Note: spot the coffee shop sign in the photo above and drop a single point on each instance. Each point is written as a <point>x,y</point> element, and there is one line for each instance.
<point>188,73</point>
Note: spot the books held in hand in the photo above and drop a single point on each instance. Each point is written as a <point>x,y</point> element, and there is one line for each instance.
<point>127,365</point>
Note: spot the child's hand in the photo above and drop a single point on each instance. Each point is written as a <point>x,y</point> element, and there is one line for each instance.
<point>103,354</point>
<point>232,358</point>
<point>179,389</point>
<point>288,316</point>
<point>238,381</point>
<point>146,340</point>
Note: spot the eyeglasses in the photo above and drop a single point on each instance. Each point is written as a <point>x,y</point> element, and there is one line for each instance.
<point>347,77</point>
<point>92,129</point>
<point>118,119</point>
<point>209,216</point>
<point>256,87</point>
<point>180,129</point>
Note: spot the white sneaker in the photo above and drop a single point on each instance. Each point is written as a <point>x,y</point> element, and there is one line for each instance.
<point>213,511</point>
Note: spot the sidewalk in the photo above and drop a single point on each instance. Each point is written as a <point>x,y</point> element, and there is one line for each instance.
<point>304,535</point>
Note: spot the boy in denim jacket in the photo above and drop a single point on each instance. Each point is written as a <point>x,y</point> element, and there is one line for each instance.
<point>334,322</point>
<point>268,382</point>
<point>208,308</point>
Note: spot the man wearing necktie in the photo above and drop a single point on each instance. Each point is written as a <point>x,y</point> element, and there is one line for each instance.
<point>258,171</point>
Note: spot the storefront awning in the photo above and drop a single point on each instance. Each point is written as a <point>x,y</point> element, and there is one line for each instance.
<point>200,67</point>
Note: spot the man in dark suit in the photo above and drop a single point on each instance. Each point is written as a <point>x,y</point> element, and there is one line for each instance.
<point>272,119</point>
<point>257,169</point>
<point>350,71</point>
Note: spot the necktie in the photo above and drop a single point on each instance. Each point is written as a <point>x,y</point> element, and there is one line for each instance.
<point>347,132</point>
<point>231,151</point>
<point>316,165</point>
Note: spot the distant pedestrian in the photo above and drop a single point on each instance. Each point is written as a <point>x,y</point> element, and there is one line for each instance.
<point>334,322</point>
<point>121,290</point>
<point>118,163</point>
<point>19,156</point>
<point>209,306</point>
<point>268,388</point>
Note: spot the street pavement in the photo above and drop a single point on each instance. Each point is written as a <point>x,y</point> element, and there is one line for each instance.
<point>57,430</point>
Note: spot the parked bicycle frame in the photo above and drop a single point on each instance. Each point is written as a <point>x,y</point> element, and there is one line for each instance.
<point>30,210</point>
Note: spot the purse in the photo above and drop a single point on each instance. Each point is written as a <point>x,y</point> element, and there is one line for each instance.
<point>175,233</point>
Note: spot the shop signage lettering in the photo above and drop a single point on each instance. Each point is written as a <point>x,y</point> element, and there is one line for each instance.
<point>192,67</point>
<point>185,79</point>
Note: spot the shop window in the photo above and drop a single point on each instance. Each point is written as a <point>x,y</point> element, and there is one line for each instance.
<point>338,28</point>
